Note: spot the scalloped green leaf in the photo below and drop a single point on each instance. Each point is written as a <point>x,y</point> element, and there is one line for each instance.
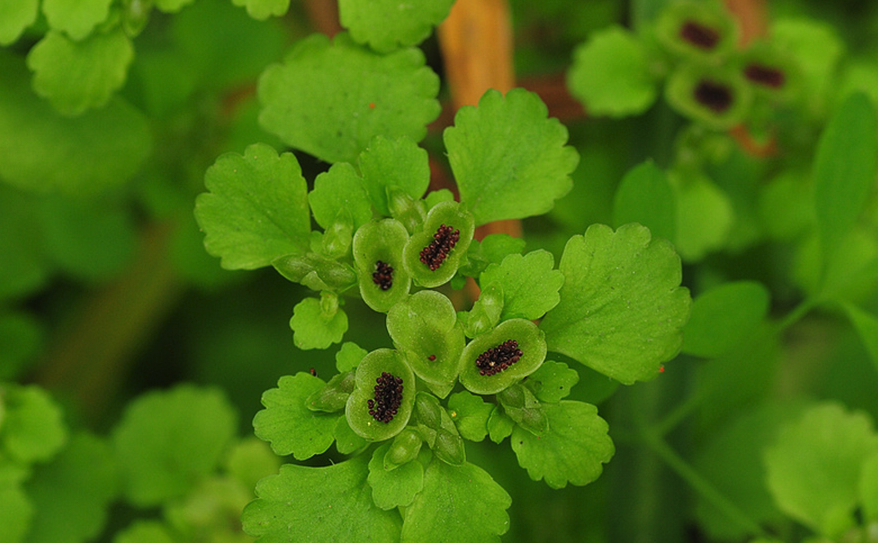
<point>471,414</point>
<point>168,439</point>
<point>330,99</point>
<point>257,208</point>
<point>645,196</point>
<point>510,161</point>
<point>724,317</point>
<point>622,309</point>
<point>459,502</point>
<point>76,18</point>
<point>388,24</point>
<point>76,76</point>
<point>610,74</point>
<point>339,188</point>
<point>552,381</point>
<point>316,325</point>
<point>263,9</point>
<point>394,162</point>
<point>72,494</point>
<point>15,17</point>
<point>574,450</point>
<point>844,170</point>
<point>530,284</point>
<point>287,423</point>
<point>319,505</point>
<point>42,151</point>
<point>828,444</point>
<point>392,488</point>
<point>33,429</point>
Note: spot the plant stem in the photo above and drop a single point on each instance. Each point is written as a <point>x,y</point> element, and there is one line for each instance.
<point>796,314</point>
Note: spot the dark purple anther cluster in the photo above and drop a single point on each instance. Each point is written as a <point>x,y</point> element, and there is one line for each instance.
<point>444,240</point>
<point>699,35</point>
<point>714,96</point>
<point>497,359</point>
<point>764,75</point>
<point>383,276</point>
<point>388,397</point>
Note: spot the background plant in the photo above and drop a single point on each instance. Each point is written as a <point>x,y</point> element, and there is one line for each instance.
<point>107,291</point>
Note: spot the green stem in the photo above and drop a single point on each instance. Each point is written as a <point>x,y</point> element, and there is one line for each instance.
<point>796,314</point>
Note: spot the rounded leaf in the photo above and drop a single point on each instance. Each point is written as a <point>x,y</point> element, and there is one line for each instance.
<point>496,360</point>
<point>383,396</point>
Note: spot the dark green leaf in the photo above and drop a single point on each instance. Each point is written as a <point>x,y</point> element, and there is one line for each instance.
<point>15,16</point>
<point>645,196</point>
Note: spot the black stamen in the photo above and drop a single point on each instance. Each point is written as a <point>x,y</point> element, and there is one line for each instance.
<point>383,276</point>
<point>388,397</point>
<point>699,35</point>
<point>765,75</point>
<point>497,359</point>
<point>714,96</point>
<point>444,240</point>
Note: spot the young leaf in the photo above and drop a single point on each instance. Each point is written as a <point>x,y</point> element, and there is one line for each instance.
<point>520,405</point>
<point>263,9</point>
<point>509,160</point>
<point>572,451</point>
<point>387,24</point>
<point>15,16</point>
<point>645,196</point>
<point>168,439</point>
<point>98,63</point>
<point>317,324</point>
<point>319,505</point>
<point>866,325</point>
<point>396,487</point>
<point>844,170</point>
<point>814,466</point>
<point>459,502</point>
<point>331,99</point>
<point>470,413</point>
<point>500,426</point>
<point>394,163</point>
<point>610,74</point>
<point>346,440</point>
<point>337,189</point>
<point>288,424</point>
<point>530,284</point>
<point>723,317</point>
<point>622,308</point>
<point>71,494</point>
<point>76,18</point>
<point>552,381</point>
<point>32,428</point>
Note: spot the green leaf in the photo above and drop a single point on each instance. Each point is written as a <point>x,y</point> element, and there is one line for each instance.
<point>723,317</point>
<point>257,208</point>
<point>816,48</point>
<point>610,74</point>
<point>844,170</point>
<point>25,265</point>
<point>21,336</point>
<point>349,356</point>
<point>145,531</point>
<point>32,429</point>
<point>76,18</point>
<point>572,451</point>
<point>331,99</point>
<point>288,424</point>
<point>509,160</point>
<point>387,24</point>
<point>346,440</point>
<point>814,466</point>
<point>42,151</point>
<point>520,405</point>
<point>866,325</point>
<point>337,189</point>
<point>470,413</point>
<point>172,6</point>
<point>397,487</point>
<point>168,439</point>
<point>500,426</point>
<point>15,515</point>
<point>15,16</point>
<point>530,284</point>
<point>552,381</point>
<point>394,163</point>
<point>72,494</point>
<point>645,196</point>
<point>250,460</point>
<point>263,9</point>
<point>460,503</point>
<point>319,505</point>
<point>622,310</point>
<point>316,328</point>
<point>206,511</point>
<point>869,488</point>
<point>704,217</point>
<point>76,76</point>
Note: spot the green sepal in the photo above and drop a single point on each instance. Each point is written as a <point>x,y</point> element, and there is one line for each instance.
<point>425,328</point>
<point>346,440</point>
<point>315,271</point>
<point>333,396</point>
<point>436,196</point>
<point>500,426</point>
<point>716,98</point>
<point>407,210</point>
<point>336,239</point>
<point>134,16</point>
<point>485,313</point>
<point>381,241</point>
<point>438,429</point>
<point>369,371</point>
<point>450,214</point>
<point>771,73</point>
<point>520,405</point>
<point>471,414</point>
<point>405,448</point>
<point>531,341</point>
<point>697,31</point>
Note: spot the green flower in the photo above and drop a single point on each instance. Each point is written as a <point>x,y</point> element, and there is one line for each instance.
<point>383,396</point>
<point>495,360</point>
<point>433,254</point>
<point>382,277</point>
